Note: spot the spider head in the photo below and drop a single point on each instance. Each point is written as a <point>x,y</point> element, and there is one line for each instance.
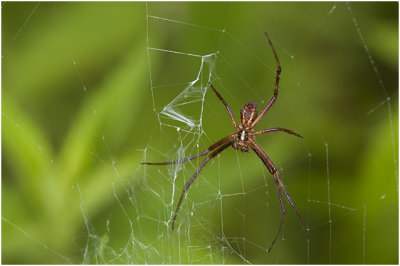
<point>244,149</point>
<point>240,145</point>
<point>248,113</point>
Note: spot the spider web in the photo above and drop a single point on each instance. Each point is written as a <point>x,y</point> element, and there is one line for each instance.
<point>231,212</point>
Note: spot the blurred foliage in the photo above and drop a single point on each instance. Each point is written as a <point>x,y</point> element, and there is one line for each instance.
<point>80,97</point>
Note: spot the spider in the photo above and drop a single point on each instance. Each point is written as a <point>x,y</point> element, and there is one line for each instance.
<point>243,138</point>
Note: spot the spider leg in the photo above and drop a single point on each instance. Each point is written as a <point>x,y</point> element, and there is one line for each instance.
<point>212,155</point>
<point>278,75</point>
<point>184,160</point>
<point>280,186</point>
<point>278,190</point>
<point>291,202</point>
<point>277,129</point>
<point>263,156</point>
<point>226,105</point>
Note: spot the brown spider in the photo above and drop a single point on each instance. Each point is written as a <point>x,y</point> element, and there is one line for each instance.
<point>243,138</point>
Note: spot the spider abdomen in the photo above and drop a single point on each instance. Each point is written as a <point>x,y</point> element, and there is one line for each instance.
<point>248,113</point>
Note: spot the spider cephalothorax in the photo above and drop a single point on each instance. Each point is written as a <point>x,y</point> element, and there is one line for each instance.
<point>243,138</point>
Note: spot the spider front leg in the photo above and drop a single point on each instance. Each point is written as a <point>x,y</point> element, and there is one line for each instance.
<point>217,148</point>
<point>279,186</point>
<point>212,155</point>
<point>278,190</point>
<point>186,159</point>
<point>291,202</point>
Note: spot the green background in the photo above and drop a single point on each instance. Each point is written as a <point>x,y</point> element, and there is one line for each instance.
<point>84,91</point>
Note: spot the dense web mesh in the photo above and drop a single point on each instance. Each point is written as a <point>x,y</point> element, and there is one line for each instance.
<point>343,176</point>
